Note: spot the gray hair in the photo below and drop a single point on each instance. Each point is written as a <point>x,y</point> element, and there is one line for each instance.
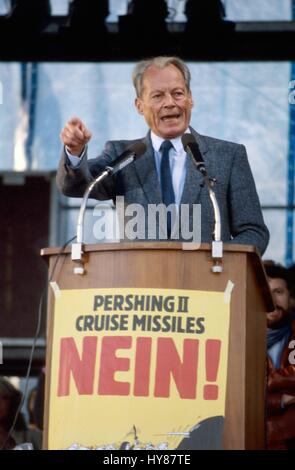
<point>160,62</point>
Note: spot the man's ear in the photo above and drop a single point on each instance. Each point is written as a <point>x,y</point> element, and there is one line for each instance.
<point>139,105</point>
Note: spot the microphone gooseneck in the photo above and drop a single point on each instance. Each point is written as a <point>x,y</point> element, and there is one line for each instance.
<point>128,156</point>
<point>191,147</point>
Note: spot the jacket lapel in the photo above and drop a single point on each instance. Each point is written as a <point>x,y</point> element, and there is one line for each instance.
<point>146,171</point>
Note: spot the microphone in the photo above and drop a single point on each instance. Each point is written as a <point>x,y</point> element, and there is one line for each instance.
<point>129,155</point>
<point>191,147</point>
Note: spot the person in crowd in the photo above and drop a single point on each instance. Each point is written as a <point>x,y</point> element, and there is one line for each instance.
<point>280,363</point>
<point>13,428</point>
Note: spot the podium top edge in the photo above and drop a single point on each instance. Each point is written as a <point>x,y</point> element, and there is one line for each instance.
<point>249,250</point>
<point>228,247</point>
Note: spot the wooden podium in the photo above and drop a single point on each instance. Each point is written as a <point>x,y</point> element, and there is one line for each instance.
<point>178,266</point>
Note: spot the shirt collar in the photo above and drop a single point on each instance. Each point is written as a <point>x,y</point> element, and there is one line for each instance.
<point>177,144</point>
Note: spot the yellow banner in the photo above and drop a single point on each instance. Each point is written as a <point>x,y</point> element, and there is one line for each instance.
<point>138,368</point>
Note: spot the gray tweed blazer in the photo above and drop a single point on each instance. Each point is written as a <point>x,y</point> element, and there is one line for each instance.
<point>241,216</point>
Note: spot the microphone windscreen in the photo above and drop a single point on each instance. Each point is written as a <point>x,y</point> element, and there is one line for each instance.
<point>191,146</point>
<point>139,148</point>
<point>187,139</point>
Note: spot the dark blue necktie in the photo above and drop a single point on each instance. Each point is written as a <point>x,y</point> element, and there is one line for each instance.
<point>166,181</point>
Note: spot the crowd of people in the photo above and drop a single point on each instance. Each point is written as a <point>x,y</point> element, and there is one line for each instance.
<point>15,429</point>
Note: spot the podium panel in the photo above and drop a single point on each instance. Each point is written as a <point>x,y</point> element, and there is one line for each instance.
<point>150,349</point>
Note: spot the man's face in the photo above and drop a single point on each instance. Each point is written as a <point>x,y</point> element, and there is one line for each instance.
<point>165,102</point>
<point>281,296</point>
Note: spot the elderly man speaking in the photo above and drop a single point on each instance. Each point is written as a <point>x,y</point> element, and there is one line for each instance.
<point>165,173</point>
